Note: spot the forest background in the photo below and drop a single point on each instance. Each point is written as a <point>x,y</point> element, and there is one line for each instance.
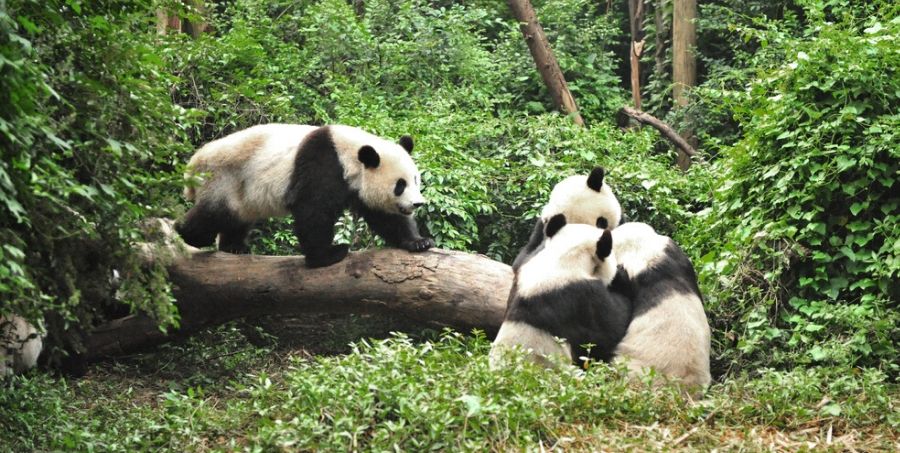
<point>790,214</point>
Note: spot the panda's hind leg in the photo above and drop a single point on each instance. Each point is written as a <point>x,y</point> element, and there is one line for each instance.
<point>233,235</point>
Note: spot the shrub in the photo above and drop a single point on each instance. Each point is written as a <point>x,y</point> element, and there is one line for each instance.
<point>803,231</point>
<point>89,140</point>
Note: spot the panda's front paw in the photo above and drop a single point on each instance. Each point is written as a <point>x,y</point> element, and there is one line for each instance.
<point>418,245</point>
<point>331,255</point>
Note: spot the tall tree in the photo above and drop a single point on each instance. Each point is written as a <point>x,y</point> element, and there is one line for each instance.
<point>636,21</point>
<point>543,58</point>
<point>684,64</point>
<point>167,20</point>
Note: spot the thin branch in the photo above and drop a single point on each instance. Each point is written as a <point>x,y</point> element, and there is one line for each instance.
<point>663,128</point>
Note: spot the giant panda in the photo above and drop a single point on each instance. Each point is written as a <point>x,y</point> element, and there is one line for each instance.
<point>313,173</point>
<point>669,330</point>
<point>583,199</point>
<point>561,292</point>
<point>20,345</point>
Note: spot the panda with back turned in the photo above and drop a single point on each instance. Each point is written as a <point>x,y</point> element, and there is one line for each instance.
<point>669,330</point>
<point>312,173</point>
<point>584,200</point>
<point>562,292</point>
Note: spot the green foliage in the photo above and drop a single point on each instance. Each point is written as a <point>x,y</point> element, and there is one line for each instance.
<point>397,394</point>
<point>797,252</point>
<point>459,80</point>
<point>86,132</point>
<point>100,113</point>
<point>805,221</point>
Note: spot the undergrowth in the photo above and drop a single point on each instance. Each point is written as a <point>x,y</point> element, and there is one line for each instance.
<point>434,394</point>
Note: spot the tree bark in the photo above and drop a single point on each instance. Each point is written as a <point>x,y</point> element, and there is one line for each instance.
<point>666,130</point>
<point>636,20</point>
<point>359,7</point>
<point>543,58</point>
<point>438,287</point>
<point>684,39</point>
<point>198,27</point>
<point>166,21</point>
<point>684,64</point>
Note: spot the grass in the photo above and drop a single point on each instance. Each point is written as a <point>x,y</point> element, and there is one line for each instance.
<point>235,388</point>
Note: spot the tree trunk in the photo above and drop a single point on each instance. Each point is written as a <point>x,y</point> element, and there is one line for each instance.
<point>166,21</point>
<point>543,58</point>
<point>636,20</point>
<point>197,27</point>
<point>684,65</point>
<point>359,7</point>
<point>684,40</point>
<point>438,287</point>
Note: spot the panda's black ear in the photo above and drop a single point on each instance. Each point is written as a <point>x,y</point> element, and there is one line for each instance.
<point>604,245</point>
<point>369,157</point>
<point>595,180</point>
<point>407,143</point>
<point>554,225</point>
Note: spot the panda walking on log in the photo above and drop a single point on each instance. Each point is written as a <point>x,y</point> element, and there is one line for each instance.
<point>561,292</point>
<point>313,173</point>
<point>583,199</point>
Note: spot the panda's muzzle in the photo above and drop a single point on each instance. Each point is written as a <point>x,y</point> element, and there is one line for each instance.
<point>409,210</point>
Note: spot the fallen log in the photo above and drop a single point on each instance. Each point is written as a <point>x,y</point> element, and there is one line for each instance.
<point>437,288</point>
<point>663,128</point>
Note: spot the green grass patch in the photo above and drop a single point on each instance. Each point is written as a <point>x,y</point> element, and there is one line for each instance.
<point>436,394</point>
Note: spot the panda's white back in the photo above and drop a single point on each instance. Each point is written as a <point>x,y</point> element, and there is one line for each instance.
<point>249,170</point>
<point>637,246</point>
<point>268,172</point>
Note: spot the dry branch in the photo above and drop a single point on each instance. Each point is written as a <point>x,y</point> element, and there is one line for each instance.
<point>438,287</point>
<point>663,128</point>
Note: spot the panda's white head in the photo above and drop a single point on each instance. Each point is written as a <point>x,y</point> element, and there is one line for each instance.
<point>572,252</point>
<point>585,199</point>
<point>385,175</point>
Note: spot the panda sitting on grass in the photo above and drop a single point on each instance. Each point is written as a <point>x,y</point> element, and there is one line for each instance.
<point>560,300</point>
<point>669,330</point>
<point>583,199</point>
<point>314,174</point>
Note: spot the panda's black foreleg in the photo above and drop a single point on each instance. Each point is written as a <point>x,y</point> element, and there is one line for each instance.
<point>315,232</point>
<point>200,225</point>
<point>397,230</point>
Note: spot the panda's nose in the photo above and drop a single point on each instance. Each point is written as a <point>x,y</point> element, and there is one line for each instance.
<point>417,204</point>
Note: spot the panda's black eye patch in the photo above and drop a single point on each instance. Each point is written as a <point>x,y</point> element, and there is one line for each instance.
<point>400,187</point>
<point>602,222</point>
